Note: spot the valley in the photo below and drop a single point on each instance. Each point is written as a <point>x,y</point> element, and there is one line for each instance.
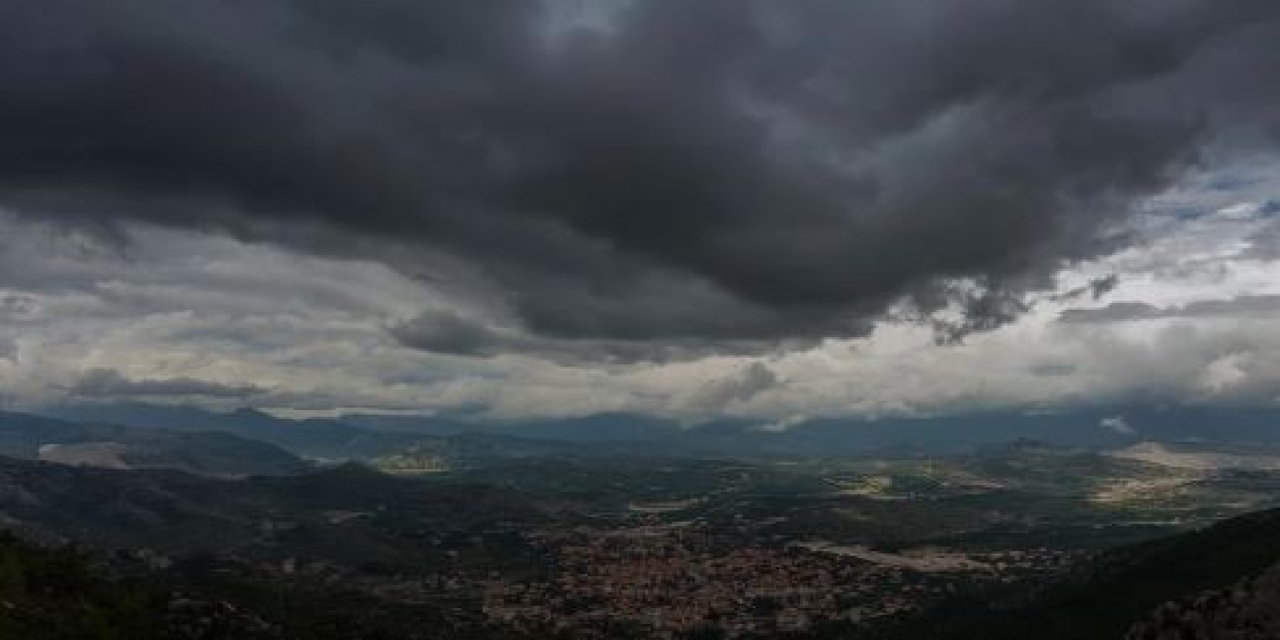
<point>539,537</point>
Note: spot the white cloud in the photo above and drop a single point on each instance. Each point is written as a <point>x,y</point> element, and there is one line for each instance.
<point>1119,425</point>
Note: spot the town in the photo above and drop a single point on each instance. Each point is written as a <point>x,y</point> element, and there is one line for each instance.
<point>683,577</point>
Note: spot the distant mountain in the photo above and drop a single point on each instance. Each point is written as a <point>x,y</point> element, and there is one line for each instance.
<point>820,436</point>
<point>364,437</point>
<point>374,438</point>
<point>611,427</point>
<point>312,438</point>
<point>1202,457</point>
<point>412,424</point>
<point>1098,428</point>
<point>205,452</point>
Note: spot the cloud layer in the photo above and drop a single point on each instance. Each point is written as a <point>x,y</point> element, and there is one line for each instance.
<point>184,316</point>
<point>106,383</point>
<point>712,171</point>
<point>776,209</point>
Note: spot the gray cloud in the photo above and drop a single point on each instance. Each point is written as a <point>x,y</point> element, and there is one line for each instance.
<point>1265,244</point>
<point>447,332</point>
<point>18,308</point>
<point>716,172</point>
<point>741,386</point>
<point>1095,289</point>
<point>1053,369</point>
<point>1114,312</point>
<point>108,383</point>
<point>1239,306</point>
<point>1099,287</point>
<point>9,350</point>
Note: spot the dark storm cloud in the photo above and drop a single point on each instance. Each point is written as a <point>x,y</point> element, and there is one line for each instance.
<point>701,172</point>
<point>447,332</point>
<point>108,383</point>
<point>1095,288</point>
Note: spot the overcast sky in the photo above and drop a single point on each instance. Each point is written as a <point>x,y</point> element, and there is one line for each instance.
<point>775,209</point>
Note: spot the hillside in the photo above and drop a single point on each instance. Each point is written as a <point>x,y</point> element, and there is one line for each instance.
<point>58,593</point>
<point>113,446</point>
<point>348,516</point>
<point>1120,588</point>
<point>1246,610</point>
<point>312,438</point>
<point>64,593</point>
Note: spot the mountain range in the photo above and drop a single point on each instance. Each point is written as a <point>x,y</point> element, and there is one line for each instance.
<point>362,436</point>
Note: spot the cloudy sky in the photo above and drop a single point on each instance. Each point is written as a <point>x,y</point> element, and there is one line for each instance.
<point>513,208</point>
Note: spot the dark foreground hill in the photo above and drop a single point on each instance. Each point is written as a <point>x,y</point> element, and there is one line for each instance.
<point>56,593</point>
<point>1246,610</point>
<point>62,593</point>
<point>176,556</point>
<point>182,556</point>
<point>348,516</point>
<point>1120,589</point>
